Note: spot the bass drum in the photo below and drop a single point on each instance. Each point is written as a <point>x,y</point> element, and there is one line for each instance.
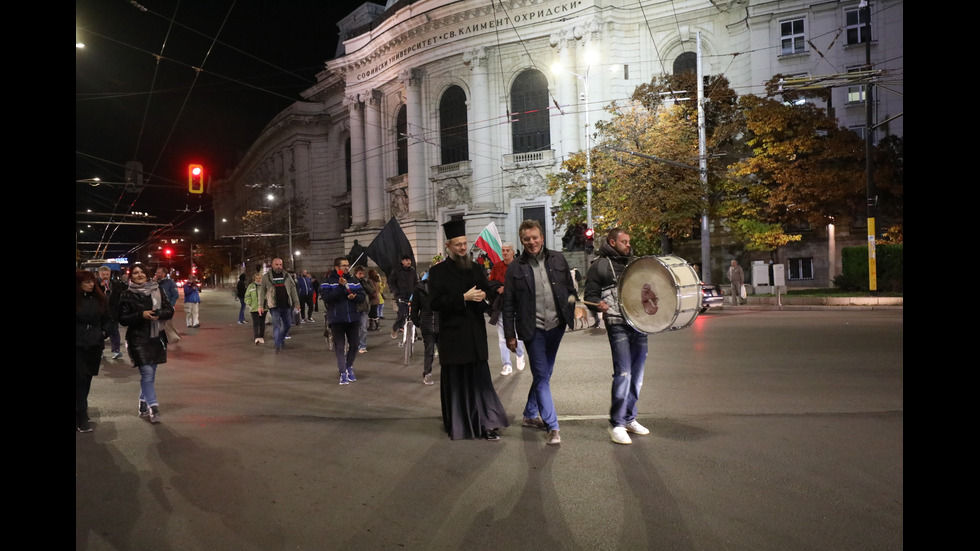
<point>659,293</point>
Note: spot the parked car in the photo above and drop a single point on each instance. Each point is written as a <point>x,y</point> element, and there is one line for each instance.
<point>711,296</point>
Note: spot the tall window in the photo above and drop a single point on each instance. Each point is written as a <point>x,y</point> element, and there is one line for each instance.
<point>401,129</point>
<point>452,126</point>
<point>347,162</point>
<point>530,123</point>
<point>857,32</point>
<point>800,268</point>
<point>855,93</point>
<point>791,36</point>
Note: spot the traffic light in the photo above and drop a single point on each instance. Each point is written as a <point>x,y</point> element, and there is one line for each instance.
<point>589,243</point>
<point>195,178</point>
<point>168,253</point>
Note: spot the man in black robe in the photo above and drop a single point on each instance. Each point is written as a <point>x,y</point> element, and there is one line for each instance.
<point>458,287</point>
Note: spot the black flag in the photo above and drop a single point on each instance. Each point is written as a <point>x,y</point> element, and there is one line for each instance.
<point>389,246</point>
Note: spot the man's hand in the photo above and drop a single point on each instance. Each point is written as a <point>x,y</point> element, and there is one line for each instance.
<point>602,307</point>
<point>474,295</point>
<point>512,344</point>
<point>260,311</point>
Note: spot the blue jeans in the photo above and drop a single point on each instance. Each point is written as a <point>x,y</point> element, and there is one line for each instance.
<point>148,392</point>
<point>241,311</point>
<point>541,351</point>
<point>629,354</point>
<point>282,320</point>
<point>362,331</point>
<point>502,344</point>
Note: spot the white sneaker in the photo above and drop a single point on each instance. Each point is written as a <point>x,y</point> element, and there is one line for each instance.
<point>619,436</point>
<point>507,370</point>
<point>636,428</point>
<point>256,341</point>
<point>520,363</point>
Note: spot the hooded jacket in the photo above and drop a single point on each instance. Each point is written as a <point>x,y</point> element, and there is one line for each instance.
<point>602,282</point>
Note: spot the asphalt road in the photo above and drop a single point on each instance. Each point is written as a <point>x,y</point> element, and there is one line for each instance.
<point>778,430</point>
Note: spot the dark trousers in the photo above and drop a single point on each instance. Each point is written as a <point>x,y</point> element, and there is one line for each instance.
<point>345,334</point>
<point>430,340</point>
<point>258,325</point>
<point>306,307</point>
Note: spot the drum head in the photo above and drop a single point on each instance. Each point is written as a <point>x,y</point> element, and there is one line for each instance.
<point>651,292</point>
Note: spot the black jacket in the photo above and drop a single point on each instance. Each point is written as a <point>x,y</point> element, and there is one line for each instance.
<point>422,314</point>
<point>402,281</point>
<point>144,348</point>
<point>92,323</point>
<point>519,305</point>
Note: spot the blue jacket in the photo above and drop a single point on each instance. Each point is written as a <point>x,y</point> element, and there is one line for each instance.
<point>341,309</point>
<point>169,288</point>
<point>304,286</point>
<point>192,292</point>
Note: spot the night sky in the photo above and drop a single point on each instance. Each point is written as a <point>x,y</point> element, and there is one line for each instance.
<point>181,82</point>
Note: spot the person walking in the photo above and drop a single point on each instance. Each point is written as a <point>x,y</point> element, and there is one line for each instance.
<point>737,277</point>
<point>252,297</point>
<point>92,326</point>
<point>169,287</point>
<point>457,287</point>
<point>112,289</point>
<point>402,281</point>
<point>375,299</point>
<point>304,288</point>
<point>628,346</point>
<point>427,320</point>
<point>341,297</point>
<point>539,301</point>
<point>362,307</point>
<point>192,302</point>
<point>498,273</point>
<point>240,289</point>
<point>278,295</point>
<point>143,310</point>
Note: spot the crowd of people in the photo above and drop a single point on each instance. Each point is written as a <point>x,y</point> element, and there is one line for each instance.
<point>529,298</point>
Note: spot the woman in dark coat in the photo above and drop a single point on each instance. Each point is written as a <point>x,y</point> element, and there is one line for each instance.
<point>92,324</point>
<point>142,310</point>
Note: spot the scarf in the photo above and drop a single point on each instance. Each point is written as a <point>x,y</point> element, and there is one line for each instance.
<point>151,289</point>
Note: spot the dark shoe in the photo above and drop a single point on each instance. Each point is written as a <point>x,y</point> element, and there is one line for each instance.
<point>535,423</point>
<point>350,375</point>
<point>144,410</point>
<point>491,436</point>
<point>154,414</point>
<point>84,426</point>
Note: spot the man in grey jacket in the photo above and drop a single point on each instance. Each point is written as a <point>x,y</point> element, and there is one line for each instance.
<point>629,346</point>
<point>278,295</point>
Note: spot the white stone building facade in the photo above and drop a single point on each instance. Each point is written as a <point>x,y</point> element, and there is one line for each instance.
<point>436,109</point>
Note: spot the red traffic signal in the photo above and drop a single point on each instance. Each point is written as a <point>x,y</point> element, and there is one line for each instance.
<point>168,252</point>
<point>589,233</point>
<point>195,178</point>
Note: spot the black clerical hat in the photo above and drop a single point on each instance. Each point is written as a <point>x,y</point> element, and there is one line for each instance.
<point>454,229</point>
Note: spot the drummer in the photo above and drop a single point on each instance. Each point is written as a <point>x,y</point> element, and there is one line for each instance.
<point>629,346</point>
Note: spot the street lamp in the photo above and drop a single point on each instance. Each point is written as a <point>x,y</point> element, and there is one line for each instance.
<point>558,69</point>
<point>289,228</point>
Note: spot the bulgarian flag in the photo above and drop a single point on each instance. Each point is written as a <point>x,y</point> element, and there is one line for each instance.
<point>489,242</point>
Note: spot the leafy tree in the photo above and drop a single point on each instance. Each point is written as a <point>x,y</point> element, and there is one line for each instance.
<point>645,170</point>
<point>803,169</point>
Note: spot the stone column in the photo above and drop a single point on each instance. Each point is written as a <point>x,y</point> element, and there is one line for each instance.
<point>417,172</point>
<point>358,178</point>
<point>482,193</point>
<point>374,159</point>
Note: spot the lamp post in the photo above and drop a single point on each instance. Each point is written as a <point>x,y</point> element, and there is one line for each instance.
<point>289,230</point>
<point>558,69</point>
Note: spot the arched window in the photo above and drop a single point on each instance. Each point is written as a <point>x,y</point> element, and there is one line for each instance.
<point>530,122</point>
<point>401,129</point>
<point>686,62</point>
<point>452,126</point>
